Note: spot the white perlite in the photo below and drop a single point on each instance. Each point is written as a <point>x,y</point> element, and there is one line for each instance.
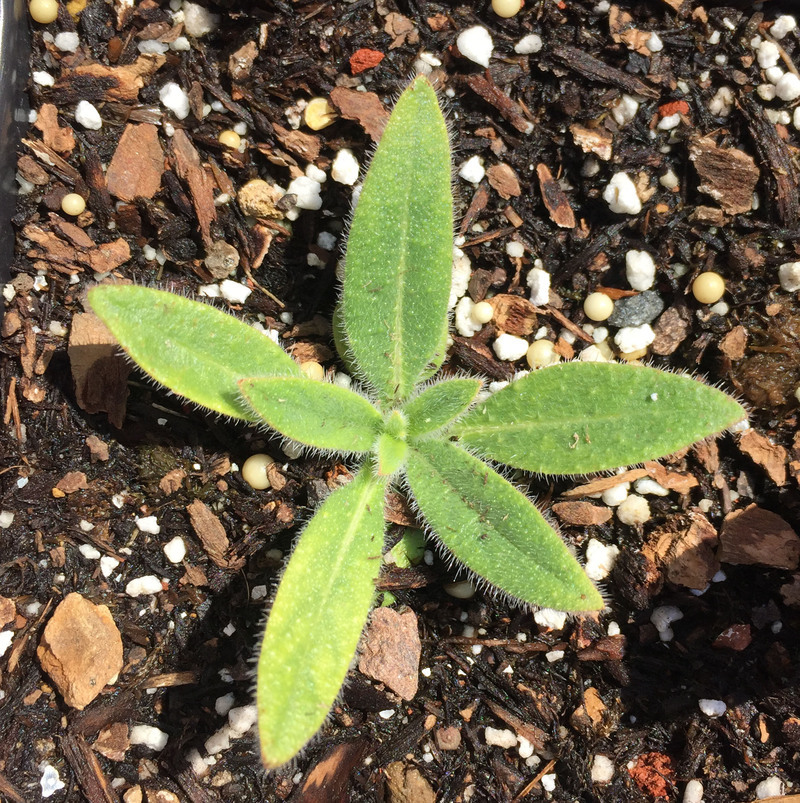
<point>87,116</point>
<point>767,54</point>
<point>67,41</point>
<point>175,99</point>
<point>175,550</point>
<point>500,737</point>
<point>539,283</point>
<point>600,559</point>
<point>89,552</point>
<point>459,282</point>
<point>307,191</point>
<point>6,638</point>
<point>149,736</point>
<point>147,524</point>
<point>770,787</point>
<point>621,196</point>
<point>634,510</point>
<point>345,167</point>
<point>640,270</point>
<point>625,110</point>
<point>465,324</point>
<point>549,618</point>
<point>43,79</point>
<point>472,170</point>
<point>515,249</point>
<point>50,780</point>
<point>510,347</point>
<point>789,276</point>
<point>139,586</point>
<point>712,708</point>
<point>788,87</point>
<point>235,292</point>
<point>476,45</point>
<point>107,565</point>
<point>634,338</point>
<point>654,43</point>
<point>662,617</point>
<point>783,25</point>
<point>6,519</point>
<point>615,495</point>
<point>722,102</point>
<point>602,769</point>
<point>198,20</point>
<point>532,43</point>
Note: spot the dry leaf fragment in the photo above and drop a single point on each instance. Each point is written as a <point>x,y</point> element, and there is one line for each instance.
<point>363,107</point>
<point>728,175</point>
<point>770,456</point>
<point>212,535</point>
<point>755,536</point>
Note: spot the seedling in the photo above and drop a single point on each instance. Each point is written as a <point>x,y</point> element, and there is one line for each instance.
<point>433,438</point>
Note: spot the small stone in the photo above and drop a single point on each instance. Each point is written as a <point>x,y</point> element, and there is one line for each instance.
<point>258,198</point>
<point>222,259</point>
<point>113,741</point>
<point>81,650</point>
<point>736,637</point>
<point>390,651</point>
<point>448,738</point>
<point>636,310</point>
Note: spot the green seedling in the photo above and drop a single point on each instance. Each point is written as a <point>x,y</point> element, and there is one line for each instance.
<point>432,438</point>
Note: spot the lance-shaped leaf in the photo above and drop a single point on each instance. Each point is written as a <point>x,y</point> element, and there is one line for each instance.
<point>314,413</point>
<point>582,417</point>
<point>495,530</point>
<point>400,250</point>
<point>319,611</point>
<point>439,405</point>
<point>193,349</point>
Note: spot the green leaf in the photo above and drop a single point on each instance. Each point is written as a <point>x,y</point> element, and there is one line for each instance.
<point>495,530</point>
<point>193,349</point>
<point>583,417</point>
<point>391,454</point>
<point>439,404</point>
<point>400,250</point>
<point>319,612</point>
<point>314,413</point>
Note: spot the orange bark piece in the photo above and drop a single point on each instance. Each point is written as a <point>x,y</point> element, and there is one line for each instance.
<point>54,136</point>
<point>755,536</point>
<point>555,198</point>
<point>653,773</point>
<point>365,59</point>
<point>581,514</point>
<point>137,165</point>
<point>770,456</point>
<point>187,163</point>
<point>673,107</point>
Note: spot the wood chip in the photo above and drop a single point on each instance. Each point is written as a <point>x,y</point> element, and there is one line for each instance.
<point>327,780</point>
<point>513,314</point>
<point>363,107</point>
<point>72,481</point>
<point>684,549</point>
<point>172,481</point>
<point>201,187</point>
<point>596,70</point>
<point>483,86</point>
<point>555,199</point>
<point>113,741</point>
<point>592,717</point>
<point>770,456</point>
<point>728,175</point>
<point>95,82</point>
<point>60,139</point>
<point>78,251</point>
<point>306,146</point>
<point>212,535</point>
<point>671,329</point>
<point>755,536</point>
<point>390,650</point>
<point>536,736</point>
<point>504,181</point>
<point>401,29</point>
<point>734,343</point>
<point>137,165</point>
<point>582,514</point>
<point>593,140</point>
<point>99,371</point>
<point>601,484</point>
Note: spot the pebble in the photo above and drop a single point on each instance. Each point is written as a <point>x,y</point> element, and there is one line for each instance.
<point>602,769</point>
<point>175,550</point>
<point>640,269</point>
<point>600,559</point>
<point>788,87</point>
<point>621,196</point>
<point>500,737</point>
<point>789,276</point>
<point>81,650</point>
<point>472,170</point>
<point>634,510</point>
<point>88,116</point>
<point>148,736</point>
<point>693,792</point>
<point>476,45</point>
<point>147,524</point>
<point>636,310</point>
<point>510,347</point>
<point>67,41</point>
<point>6,519</point>
<point>712,708</point>
<point>538,281</point>
<point>345,168</point>
<point>462,589</point>
<point>139,586</point>
<point>634,338</point>
<point>174,98</point>
<point>448,738</point>
<point>307,191</point>
<point>532,43</point>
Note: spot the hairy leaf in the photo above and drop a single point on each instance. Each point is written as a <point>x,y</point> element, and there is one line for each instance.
<point>439,405</point>
<point>582,417</point>
<point>391,454</point>
<point>314,413</point>
<point>193,349</point>
<point>494,529</point>
<point>319,611</point>
<point>399,253</point>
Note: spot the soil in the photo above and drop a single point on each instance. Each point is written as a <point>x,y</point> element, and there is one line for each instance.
<point>575,692</point>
